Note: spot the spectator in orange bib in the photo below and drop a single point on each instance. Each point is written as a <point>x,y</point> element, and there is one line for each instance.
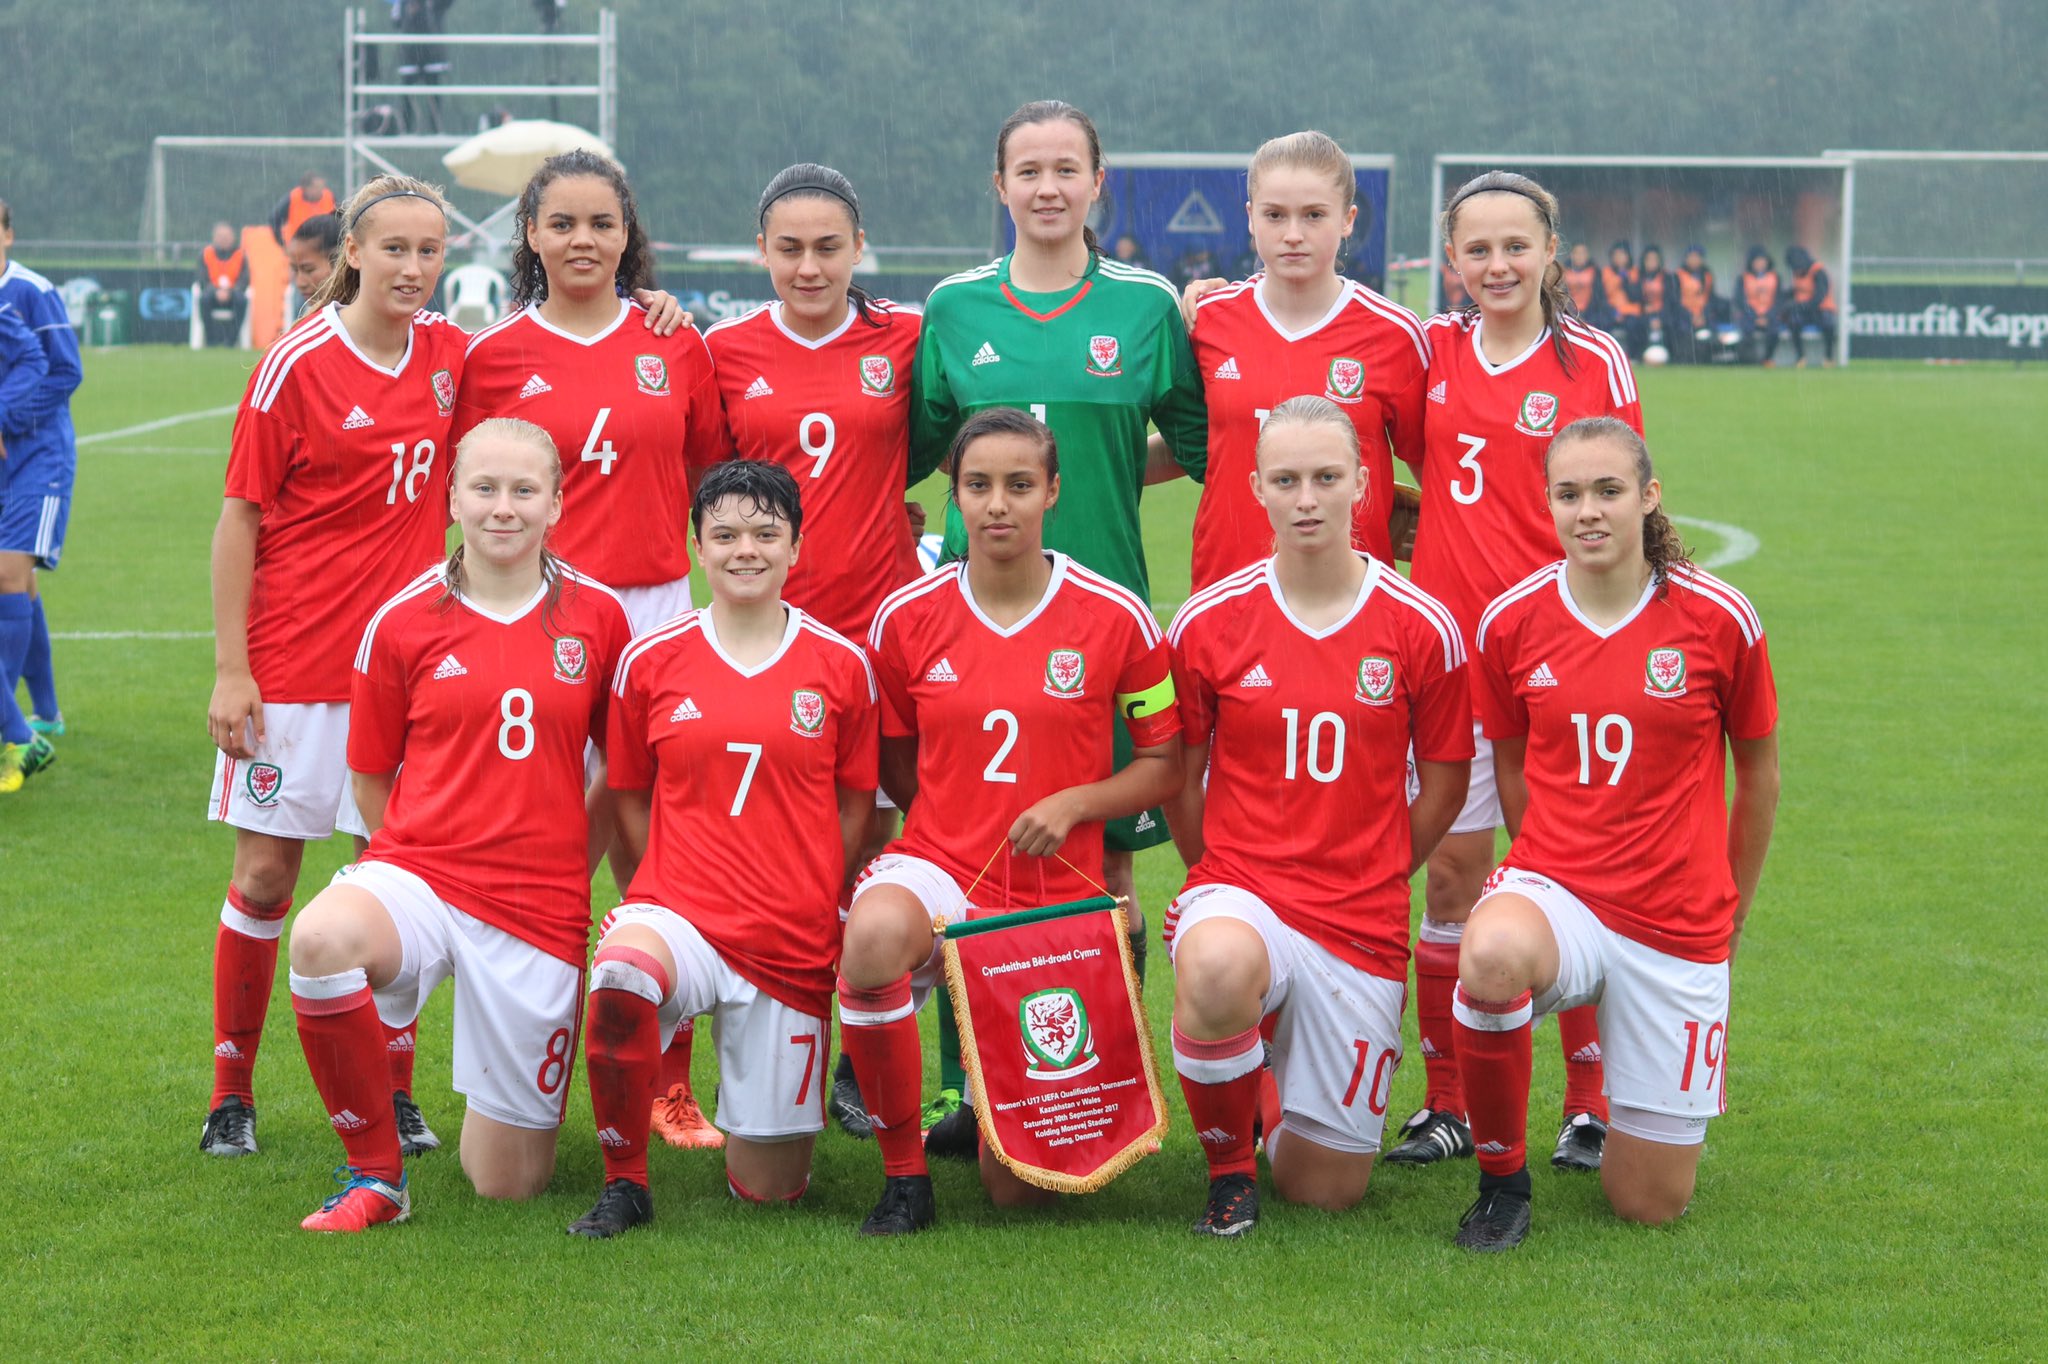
<point>1580,276</point>
<point>1620,291</point>
<point>1759,305</point>
<point>223,286</point>
<point>1810,304</point>
<point>308,199</point>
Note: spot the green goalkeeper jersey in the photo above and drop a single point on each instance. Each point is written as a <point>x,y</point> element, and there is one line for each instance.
<point>1096,363</point>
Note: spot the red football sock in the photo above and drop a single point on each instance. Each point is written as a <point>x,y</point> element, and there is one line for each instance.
<point>1493,1045</point>
<point>1584,1077</point>
<point>344,1045</point>
<point>623,1051</point>
<point>1221,1082</point>
<point>1436,980</point>
<point>878,1032</point>
<point>244,968</point>
<point>398,1048</point>
<point>675,1061</point>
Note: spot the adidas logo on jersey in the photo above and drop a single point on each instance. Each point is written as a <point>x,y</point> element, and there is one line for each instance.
<point>1436,395</point>
<point>1256,677</point>
<point>535,387</point>
<point>357,419</point>
<point>686,711</point>
<point>758,389</point>
<point>1543,677</point>
<point>228,1051</point>
<point>450,668</point>
<point>1213,1136</point>
<point>347,1121</point>
<point>1588,1055</point>
<point>942,671</point>
<point>986,355</point>
<point>1227,370</point>
<point>609,1136</point>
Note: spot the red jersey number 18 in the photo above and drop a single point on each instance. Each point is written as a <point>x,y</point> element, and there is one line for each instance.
<point>411,480</point>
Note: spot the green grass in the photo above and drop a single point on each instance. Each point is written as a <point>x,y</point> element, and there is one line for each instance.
<point>1864,1197</point>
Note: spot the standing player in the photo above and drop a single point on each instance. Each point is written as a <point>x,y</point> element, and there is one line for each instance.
<point>35,493</point>
<point>738,734</point>
<point>1616,686</point>
<point>475,689</point>
<point>1094,348</point>
<point>1300,327</point>
<point>23,367</point>
<point>331,507</point>
<point>638,412</point>
<point>1307,676</point>
<point>1504,376</point>
<point>1001,677</point>
<point>819,382</point>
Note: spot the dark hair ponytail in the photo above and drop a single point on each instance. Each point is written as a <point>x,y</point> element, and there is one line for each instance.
<point>636,262</point>
<point>1556,299</point>
<point>1049,111</point>
<point>809,180</point>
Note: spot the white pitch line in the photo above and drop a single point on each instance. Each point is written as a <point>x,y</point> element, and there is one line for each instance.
<point>1737,544</point>
<point>101,437</point>
<point>153,450</point>
<point>131,634</point>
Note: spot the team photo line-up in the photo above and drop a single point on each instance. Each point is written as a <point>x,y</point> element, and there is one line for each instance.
<point>1311,729</point>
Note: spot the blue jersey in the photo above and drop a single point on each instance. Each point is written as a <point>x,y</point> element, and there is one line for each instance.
<point>22,371</point>
<point>42,425</point>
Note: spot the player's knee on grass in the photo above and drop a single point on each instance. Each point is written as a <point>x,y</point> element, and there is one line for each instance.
<point>768,1172</point>
<point>506,1163</point>
<point>887,936</point>
<point>1309,1173</point>
<point>1647,1181</point>
<point>266,867</point>
<point>1005,1190</point>
<point>1507,948</point>
<point>1220,978</point>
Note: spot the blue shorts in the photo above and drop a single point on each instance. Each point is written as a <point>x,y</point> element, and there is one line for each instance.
<point>35,506</point>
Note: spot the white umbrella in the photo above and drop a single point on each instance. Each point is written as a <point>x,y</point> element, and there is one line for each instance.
<point>502,159</point>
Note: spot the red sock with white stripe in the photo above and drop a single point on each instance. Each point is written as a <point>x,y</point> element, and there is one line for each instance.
<point>1585,1078</point>
<point>1436,980</point>
<point>344,1044</point>
<point>398,1050</point>
<point>1221,1082</point>
<point>878,1032</point>
<point>1493,1048</point>
<point>623,1051</point>
<point>675,1061</point>
<point>244,968</point>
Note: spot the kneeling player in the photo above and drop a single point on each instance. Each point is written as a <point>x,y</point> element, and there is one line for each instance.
<point>738,734</point>
<point>484,678</point>
<point>1002,677</point>
<point>1609,683</point>
<point>1303,680</point>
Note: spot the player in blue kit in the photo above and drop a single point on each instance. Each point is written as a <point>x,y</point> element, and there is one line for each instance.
<point>22,370</point>
<point>35,491</point>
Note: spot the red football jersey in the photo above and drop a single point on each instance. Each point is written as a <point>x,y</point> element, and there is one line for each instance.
<point>1307,801</point>
<point>836,414</point>
<point>348,461</point>
<point>1485,511</point>
<point>631,414</point>
<point>1625,767</point>
<point>1006,717</point>
<point>488,715</point>
<point>745,764</point>
<point>1367,353</point>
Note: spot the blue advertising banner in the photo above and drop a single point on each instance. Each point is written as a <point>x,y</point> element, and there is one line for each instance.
<point>1187,220</point>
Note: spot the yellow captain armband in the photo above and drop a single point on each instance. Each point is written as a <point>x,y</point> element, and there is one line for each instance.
<point>1143,705</point>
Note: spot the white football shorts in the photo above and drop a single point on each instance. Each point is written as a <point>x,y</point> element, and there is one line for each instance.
<point>297,785</point>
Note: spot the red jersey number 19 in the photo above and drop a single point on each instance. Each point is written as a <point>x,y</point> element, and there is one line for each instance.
<point>413,479</point>
<point>1615,751</point>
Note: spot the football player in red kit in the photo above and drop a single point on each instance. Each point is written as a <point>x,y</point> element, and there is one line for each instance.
<point>1299,327</point>
<point>637,414</point>
<point>738,733</point>
<point>335,471</point>
<point>1001,676</point>
<point>1616,687</point>
<point>1504,376</point>
<point>475,690</point>
<point>1304,680</point>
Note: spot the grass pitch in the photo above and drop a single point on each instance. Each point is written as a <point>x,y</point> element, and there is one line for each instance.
<point>1864,1197</point>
